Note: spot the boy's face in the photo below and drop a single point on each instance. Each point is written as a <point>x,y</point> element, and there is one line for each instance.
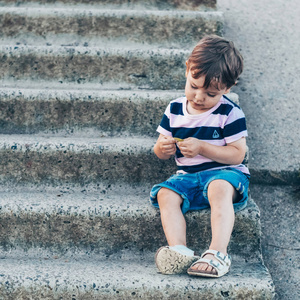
<point>199,99</point>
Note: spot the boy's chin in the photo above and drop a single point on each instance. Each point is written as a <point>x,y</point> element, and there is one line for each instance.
<point>196,106</point>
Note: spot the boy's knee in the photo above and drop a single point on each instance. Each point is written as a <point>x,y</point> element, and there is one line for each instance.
<point>166,196</point>
<point>220,190</point>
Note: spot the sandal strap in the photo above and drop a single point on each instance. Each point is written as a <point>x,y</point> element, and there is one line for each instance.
<point>221,262</point>
<point>210,262</point>
<point>221,257</point>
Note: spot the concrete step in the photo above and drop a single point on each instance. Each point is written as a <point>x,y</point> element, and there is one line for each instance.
<point>82,157</point>
<point>33,109</point>
<point>119,65</point>
<point>105,218</point>
<point>127,276</point>
<point>79,158</point>
<point>79,25</point>
<point>276,173</point>
<point>124,4</point>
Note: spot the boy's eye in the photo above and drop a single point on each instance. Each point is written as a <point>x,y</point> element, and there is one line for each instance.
<point>211,95</point>
<point>193,87</point>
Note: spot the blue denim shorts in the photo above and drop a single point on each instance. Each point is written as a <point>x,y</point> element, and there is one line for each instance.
<point>193,188</point>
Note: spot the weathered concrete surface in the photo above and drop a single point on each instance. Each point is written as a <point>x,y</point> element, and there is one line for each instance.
<point>281,239</point>
<point>108,112</point>
<point>105,218</point>
<point>81,158</point>
<point>32,110</point>
<point>143,68</point>
<point>124,277</point>
<point>267,32</point>
<point>166,28</point>
<point>148,4</point>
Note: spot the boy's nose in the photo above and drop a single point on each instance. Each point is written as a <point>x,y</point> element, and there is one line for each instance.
<point>199,97</point>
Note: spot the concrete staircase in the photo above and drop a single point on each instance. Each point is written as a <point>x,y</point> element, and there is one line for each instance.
<point>84,85</point>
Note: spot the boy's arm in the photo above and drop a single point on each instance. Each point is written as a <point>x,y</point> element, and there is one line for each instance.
<point>232,154</point>
<point>165,147</point>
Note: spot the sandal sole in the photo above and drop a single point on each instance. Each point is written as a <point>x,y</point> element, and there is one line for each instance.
<point>172,262</point>
<point>200,274</point>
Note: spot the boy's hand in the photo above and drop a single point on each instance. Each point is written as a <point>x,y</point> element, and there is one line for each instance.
<point>190,147</point>
<point>167,145</point>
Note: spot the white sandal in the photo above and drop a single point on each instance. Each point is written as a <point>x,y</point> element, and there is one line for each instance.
<point>221,264</point>
<point>170,262</point>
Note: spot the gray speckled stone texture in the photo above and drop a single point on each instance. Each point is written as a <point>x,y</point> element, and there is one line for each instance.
<point>32,110</point>
<point>148,4</point>
<point>143,68</point>
<point>280,236</point>
<point>124,277</point>
<point>267,32</point>
<point>81,158</point>
<point>166,28</point>
<point>71,240</point>
<point>93,218</point>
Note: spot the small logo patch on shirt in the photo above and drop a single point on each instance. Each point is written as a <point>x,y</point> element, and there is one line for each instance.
<point>216,135</point>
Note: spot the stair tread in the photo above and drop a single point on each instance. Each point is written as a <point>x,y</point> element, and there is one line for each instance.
<point>97,65</point>
<point>91,199</point>
<point>136,4</point>
<point>48,89</point>
<point>94,26</point>
<point>47,10</point>
<point>103,218</point>
<point>81,157</point>
<point>113,48</point>
<point>133,273</point>
<point>77,142</point>
<point>118,199</point>
<point>11,85</point>
<point>86,43</point>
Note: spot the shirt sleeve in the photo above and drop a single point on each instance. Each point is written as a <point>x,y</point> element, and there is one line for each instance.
<point>164,127</point>
<point>235,127</point>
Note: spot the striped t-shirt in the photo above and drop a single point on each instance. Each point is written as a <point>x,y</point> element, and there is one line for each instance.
<point>222,124</point>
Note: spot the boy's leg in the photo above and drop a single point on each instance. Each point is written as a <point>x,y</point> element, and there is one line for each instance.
<point>175,258</point>
<point>172,218</point>
<point>221,195</point>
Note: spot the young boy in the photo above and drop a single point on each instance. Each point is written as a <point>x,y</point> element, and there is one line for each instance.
<point>206,133</point>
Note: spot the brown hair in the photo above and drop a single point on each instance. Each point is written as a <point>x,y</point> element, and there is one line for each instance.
<point>217,59</point>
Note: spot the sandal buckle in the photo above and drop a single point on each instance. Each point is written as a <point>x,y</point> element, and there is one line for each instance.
<point>219,255</point>
<point>214,264</point>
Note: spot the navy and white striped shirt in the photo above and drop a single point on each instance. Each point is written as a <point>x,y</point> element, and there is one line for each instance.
<point>222,124</point>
